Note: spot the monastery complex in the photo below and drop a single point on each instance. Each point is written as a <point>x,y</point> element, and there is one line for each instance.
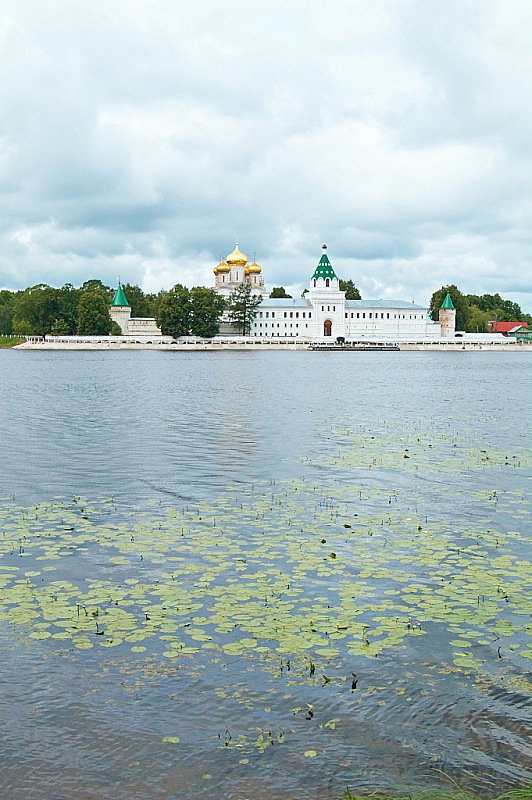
<point>321,314</point>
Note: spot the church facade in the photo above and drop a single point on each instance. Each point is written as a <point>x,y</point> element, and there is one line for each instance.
<point>323,312</point>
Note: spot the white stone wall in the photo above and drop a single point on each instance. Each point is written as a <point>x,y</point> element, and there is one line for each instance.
<point>350,319</point>
<point>121,315</point>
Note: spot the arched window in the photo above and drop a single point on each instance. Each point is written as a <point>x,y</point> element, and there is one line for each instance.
<point>314,281</point>
<point>327,281</point>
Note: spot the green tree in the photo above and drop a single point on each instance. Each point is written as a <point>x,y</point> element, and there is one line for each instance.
<point>93,314</point>
<point>477,320</point>
<point>22,327</point>
<point>242,305</point>
<point>139,302</point>
<point>497,308</point>
<point>351,291</point>
<point>279,291</point>
<point>95,285</point>
<point>69,299</point>
<point>459,302</point>
<point>206,307</point>
<point>173,313</point>
<point>60,328</point>
<point>7,299</point>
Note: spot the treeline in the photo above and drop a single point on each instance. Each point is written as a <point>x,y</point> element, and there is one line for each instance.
<point>42,309</point>
<point>473,311</point>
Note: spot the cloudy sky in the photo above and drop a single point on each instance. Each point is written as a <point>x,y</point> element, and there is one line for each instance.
<point>142,138</point>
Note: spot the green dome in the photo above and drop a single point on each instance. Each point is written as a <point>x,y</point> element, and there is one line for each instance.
<point>324,268</point>
<point>119,299</point>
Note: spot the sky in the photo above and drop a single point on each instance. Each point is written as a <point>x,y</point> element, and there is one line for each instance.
<point>144,138</point>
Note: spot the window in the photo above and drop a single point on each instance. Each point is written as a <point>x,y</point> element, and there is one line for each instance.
<point>364,315</point>
<point>297,314</point>
<point>267,314</point>
<point>273,314</point>
<point>260,314</point>
<point>284,314</point>
<point>291,315</point>
<point>346,315</point>
<point>388,315</point>
<point>327,282</point>
<point>358,314</point>
<point>309,315</point>
<point>314,281</point>
<point>370,314</point>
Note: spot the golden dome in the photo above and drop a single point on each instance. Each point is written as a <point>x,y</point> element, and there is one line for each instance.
<point>253,269</point>
<point>236,258</point>
<point>221,267</point>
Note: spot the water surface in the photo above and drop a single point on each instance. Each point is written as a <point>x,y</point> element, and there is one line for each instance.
<point>263,574</point>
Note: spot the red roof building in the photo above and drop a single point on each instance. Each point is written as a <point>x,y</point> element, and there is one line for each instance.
<point>506,327</point>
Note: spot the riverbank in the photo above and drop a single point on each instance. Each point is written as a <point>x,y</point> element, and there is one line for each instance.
<point>10,341</point>
<point>249,344</point>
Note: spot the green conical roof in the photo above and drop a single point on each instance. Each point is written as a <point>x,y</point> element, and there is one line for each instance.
<point>324,268</point>
<point>447,303</point>
<point>119,299</point>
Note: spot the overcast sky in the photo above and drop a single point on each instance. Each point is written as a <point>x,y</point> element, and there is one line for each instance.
<point>143,138</point>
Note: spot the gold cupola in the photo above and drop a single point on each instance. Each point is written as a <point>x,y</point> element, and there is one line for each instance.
<point>253,269</point>
<point>221,267</point>
<point>236,258</point>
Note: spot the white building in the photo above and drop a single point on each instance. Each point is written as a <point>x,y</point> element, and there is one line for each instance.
<point>324,313</point>
<point>236,270</point>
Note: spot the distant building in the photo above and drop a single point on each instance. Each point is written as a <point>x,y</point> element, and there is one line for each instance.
<point>507,328</point>
<point>324,313</point>
<point>321,313</point>
<point>120,312</point>
<point>235,270</point>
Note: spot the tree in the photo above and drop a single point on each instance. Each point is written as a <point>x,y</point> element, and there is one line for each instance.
<point>279,291</point>
<point>459,302</point>
<point>351,291</point>
<point>139,302</point>
<point>93,314</point>
<point>477,320</point>
<point>241,307</point>
<point>60,328</point>
<point>206,307</point>
<point>6,311</point>
<point>173,313</point>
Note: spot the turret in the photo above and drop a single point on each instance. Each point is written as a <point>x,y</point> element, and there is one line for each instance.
<point>447,317</point>
<point>120,310</point>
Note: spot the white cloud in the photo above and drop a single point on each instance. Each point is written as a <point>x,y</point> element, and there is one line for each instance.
<point>143,137</point>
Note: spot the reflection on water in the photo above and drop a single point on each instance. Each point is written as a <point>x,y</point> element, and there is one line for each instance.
<point>280,446</point>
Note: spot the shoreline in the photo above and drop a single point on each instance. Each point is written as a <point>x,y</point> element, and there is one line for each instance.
<point>257,345</point>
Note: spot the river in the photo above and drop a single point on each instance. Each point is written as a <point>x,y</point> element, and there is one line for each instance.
<point>264,575</point>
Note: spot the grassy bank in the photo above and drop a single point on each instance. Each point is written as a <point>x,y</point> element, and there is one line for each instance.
<point>10,341</point>
<point>453,793</point>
